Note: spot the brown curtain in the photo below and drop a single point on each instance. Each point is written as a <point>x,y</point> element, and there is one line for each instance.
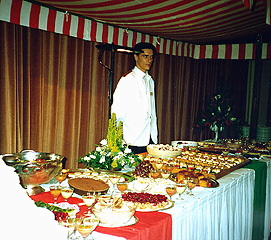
<point>54,92</point>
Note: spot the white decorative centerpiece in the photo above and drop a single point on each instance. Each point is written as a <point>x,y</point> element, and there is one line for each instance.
<point>113,152</point>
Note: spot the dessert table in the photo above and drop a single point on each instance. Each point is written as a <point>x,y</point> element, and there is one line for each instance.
<point>225,212</point>
<point>262,203</point>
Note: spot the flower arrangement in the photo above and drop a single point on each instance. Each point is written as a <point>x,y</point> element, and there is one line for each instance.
<point>219,114</point>
<point>113,152</point>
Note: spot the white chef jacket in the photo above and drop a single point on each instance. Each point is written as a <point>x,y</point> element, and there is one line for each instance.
<point>134,105</point>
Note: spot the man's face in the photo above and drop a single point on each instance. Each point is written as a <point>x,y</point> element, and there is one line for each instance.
<point>144,60</point>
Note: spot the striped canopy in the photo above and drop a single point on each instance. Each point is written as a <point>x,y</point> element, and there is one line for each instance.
<point>217,29</point>
<point>193,21</point>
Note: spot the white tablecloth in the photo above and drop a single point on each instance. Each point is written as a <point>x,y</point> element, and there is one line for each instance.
<point>267,222</point>
<point>225,212</point>
<point>220,213</point>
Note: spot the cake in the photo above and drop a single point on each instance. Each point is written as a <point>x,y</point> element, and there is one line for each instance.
<point>85,185</point>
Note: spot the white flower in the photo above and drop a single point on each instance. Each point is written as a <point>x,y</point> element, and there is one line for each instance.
<point>120,154</point>
<point>102,159</point>
<point>92,156</point>
<point>116,158</point>
<point>86,158</point>
<point>108,154</point>
<point>103,142</point>
<point>98,149</point>
<point>127,150</point>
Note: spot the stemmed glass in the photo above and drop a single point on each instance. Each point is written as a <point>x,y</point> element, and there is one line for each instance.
<point>66,193</point>
<point>180,188</point>
<point>159,165</point>
<point>87,226</point>
<point>165,174</point>
<point>155,174</point>
<point>89,200</point>
<point>169,167</point>
<point>55,190</point>
<point>171,190</point>
<point>191,184</point>
<point>114,180</point>
<point>70,224</point>
<point>60,177</point>
<point>122,187</point>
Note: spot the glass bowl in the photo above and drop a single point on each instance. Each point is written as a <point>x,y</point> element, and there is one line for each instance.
<point>34,168</point>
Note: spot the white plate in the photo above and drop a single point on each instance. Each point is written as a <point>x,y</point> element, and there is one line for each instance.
<point>132,221</point>
<point>169,205</point>
<point>66,205</point>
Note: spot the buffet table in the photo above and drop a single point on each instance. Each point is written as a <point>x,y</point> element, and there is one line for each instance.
<point>225,212</point>
<point>262,204</point>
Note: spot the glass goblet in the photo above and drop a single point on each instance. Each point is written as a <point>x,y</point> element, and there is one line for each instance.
<point>114,180</point>
<point>171,190</point>
<point>159,165</point>
<point>87,226</point>
<point>191,184</point>
<point>122,187</point>
<point>60,177</point>
<point>155,174</point>
<point>165,174</point>
<point>89,200</point>
<point>55,190</point>
<point>180,188</point>
<point>66,193</point>
<point>169,167</point>
<point>70,224</point>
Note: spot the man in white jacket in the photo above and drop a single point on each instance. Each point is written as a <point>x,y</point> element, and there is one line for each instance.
<point>134,101</point>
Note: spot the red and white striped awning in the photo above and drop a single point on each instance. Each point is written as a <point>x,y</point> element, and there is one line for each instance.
<point>183,28</point>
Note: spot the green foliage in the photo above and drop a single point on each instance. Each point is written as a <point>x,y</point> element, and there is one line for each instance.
<point>112,152</point>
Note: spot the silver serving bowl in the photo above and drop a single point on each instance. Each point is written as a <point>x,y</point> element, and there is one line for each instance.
<point>34,168</point>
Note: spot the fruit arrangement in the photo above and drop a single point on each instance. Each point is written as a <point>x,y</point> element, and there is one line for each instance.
<point>146,201</point>
<point>143,169</point>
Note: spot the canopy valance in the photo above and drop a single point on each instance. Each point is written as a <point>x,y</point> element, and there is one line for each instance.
<point>49,19</point>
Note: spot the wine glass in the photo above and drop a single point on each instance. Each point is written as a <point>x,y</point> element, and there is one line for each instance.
<point>66,193</point>
<point>89,200</point>
<point>180,188</point>
<point>191,184</point>
<point>55,190</point>
<point>122,187</point>
<point>159,165</point>
<point>70,224</point>
<point>165,174</point>
<point>154,174</point>
<point>87,226</point>
<point>171,190</point>
<point>114,180</point>
<point>60,177</point>
<point>169,167</point>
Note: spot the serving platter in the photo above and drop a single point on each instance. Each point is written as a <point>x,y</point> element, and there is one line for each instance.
<point>168,206</point>
<point>216,149</point>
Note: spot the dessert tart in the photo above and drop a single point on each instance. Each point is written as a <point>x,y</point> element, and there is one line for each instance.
<point>84,185</point>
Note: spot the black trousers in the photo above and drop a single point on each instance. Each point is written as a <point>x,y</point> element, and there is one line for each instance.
<point>136,149</point>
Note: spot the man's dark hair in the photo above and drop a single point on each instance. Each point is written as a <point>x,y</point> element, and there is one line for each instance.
<point>144,45</point>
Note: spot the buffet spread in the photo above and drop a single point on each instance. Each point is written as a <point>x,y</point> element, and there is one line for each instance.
<point>116,184</point>
<point>116,197</point>
<point>163,172</point>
